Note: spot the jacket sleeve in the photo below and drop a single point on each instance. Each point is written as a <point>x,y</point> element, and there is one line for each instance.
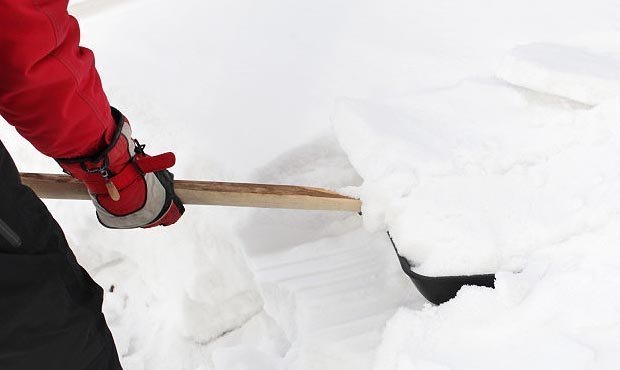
<point>49,87</point>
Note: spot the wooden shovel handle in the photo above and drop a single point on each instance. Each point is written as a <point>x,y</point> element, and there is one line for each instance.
<point>212,193</point>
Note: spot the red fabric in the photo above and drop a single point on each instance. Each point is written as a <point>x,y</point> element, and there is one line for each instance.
<point>156,163</point>
<point>118,159</point>
<point>49,88</point>
<point>133,198</point>
<point>171,216</point>
<point>118,166</point>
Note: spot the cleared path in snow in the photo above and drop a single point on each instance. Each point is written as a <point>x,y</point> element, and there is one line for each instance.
<point>333,296</point>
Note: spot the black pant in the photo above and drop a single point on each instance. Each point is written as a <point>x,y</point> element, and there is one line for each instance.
<point>50,308</point>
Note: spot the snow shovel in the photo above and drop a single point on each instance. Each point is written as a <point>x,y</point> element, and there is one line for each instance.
<point>436,289</point>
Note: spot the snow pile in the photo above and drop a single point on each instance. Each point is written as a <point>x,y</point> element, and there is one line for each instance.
<point>482,177</point>
<point>586,76</point>
<point>477,187</point>
<point>510,180</point>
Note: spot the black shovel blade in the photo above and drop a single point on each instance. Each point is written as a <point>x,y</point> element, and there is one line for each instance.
<point>440,289</point>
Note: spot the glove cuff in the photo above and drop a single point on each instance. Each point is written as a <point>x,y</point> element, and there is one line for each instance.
<point>99,169</point>
<point>117,166</point>
<point>128,187</point>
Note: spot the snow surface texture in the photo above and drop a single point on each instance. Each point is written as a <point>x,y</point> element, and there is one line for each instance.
<point>471,174</point>
<point>575,73</point>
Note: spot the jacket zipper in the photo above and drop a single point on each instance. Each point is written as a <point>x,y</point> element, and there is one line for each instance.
<point>10,235</point>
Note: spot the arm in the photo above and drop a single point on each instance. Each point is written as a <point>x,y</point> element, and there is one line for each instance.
<point>49,87</point>
<point>51,92</point>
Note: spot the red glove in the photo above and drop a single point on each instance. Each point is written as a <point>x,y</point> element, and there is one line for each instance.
<point>128,187</point>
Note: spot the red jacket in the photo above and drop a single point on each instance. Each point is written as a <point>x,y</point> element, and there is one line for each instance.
<point>49,87</point>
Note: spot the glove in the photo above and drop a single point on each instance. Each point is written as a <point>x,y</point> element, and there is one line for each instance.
<point>129,188</point>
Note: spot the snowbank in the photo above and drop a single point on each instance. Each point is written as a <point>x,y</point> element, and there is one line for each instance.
<point>473,185</point>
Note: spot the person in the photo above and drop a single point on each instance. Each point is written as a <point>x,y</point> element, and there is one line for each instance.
<point>50,308</point>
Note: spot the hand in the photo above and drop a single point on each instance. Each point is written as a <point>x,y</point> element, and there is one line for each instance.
<point>129,188</point>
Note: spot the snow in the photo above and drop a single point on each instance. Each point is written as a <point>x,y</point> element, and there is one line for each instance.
<point>465,192</point>
<point>483,135</point>
<point>557,313</point>
<point>329,285</point>
<point>585,76</point>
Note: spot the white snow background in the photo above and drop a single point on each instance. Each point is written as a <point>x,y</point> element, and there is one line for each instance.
<point>484,134</point>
